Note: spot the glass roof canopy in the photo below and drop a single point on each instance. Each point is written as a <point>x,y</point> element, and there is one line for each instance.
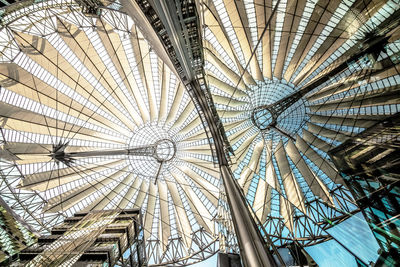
<point>75,83</point>
<point>94,119</point>
<point>261,57</point>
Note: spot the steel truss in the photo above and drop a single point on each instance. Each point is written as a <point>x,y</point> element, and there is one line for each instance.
<point>310,228</point>
<point>30,205</point>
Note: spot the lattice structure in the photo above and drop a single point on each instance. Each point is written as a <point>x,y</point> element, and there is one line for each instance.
<point>102,123</point>
<point>369,164</point>
<point>98,237</point>
<point>227,237</point>
<point>290,81</point>
<point>268,87</point>
<point>15,234</point>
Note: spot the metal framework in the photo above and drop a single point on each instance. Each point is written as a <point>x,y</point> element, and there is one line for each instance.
<point>290,80</point>
<point>258,92</point>
<point>184,47</point>
<point>266,116</point>
<point>112,237</point>
<point>92,118</point>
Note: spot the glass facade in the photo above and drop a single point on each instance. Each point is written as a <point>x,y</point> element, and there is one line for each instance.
<point>369,164</point>
<point>97,238</point>
<point>15,235</point>
<point>290,81</point>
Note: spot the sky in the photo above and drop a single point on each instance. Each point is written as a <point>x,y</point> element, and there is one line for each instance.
<point>211,262</point>
<point>353,233</point>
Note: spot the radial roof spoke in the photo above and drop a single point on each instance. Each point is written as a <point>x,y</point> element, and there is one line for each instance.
<point>332,58</point>
<point>80,102</point>
<point>93,117</point>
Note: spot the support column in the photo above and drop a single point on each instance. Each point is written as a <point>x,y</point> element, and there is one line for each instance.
<point>185,51</point>
<point>252,246</point>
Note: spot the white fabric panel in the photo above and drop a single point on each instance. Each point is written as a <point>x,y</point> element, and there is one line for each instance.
<point>182,220</point>
<point>315,141</point>
<point>127,200</point>
<point>150,209</point>
<point>324,165</point>
<point>270,174</point>
<point>253,168</point>
<point>102,202</point>
<point>292,188</point>
<point>164,221</point>
<point>43,181</point>
<point>208,189</point>
<point>68,199</point>
<point>262,200</point>
<point>142,194</point>
<point>286,212</point>
<point>316,185</point>
<point>200,212</point>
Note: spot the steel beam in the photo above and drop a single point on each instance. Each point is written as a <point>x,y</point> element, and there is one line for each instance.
<point>253,250</point>
<point>185,51</point>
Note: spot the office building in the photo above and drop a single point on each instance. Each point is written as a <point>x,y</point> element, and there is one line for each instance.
<point>15,235</point>
<point>96,238</point>
<point>369,163</point>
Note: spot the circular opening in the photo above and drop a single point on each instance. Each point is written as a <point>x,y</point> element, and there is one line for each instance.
<point>262,118</point>
<point>165,150</point>
<point>162,144</point>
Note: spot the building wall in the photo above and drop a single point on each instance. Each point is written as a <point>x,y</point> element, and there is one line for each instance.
<point>14,236</point>
<point>370,165</point>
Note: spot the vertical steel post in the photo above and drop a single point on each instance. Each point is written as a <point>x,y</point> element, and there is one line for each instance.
<point>253,251</point>
<point>252,246</point>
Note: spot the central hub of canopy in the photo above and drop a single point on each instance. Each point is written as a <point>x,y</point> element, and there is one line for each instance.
<point>263,118</point>
<point>165,150</point>
<point>276,109</point>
